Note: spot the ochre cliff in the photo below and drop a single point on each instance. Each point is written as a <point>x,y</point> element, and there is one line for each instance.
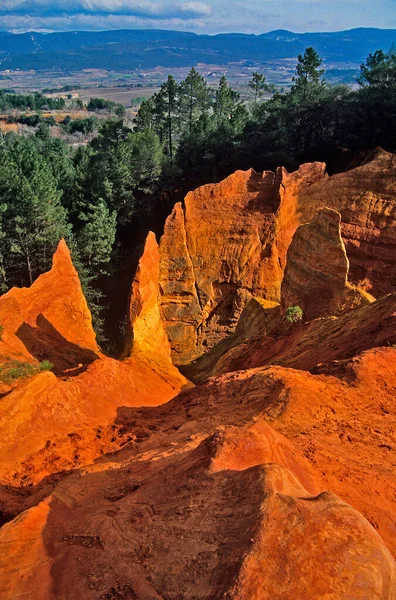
<point>317,268</point>
<point>209,498</point>
<point>272,478</point>
<point>228,242</point>
<point>148,336</point>
<point>51,321</point>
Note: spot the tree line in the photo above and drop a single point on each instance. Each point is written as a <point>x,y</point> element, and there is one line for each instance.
<point>35,101</point>
<point>105,195</point>
<point>212,131</point>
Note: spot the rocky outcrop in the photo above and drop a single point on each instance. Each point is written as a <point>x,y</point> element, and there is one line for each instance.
<point>229,241</point>
<point>315,280</point>
<point>79,399</point>
<point>218,250</point>
<point>317,267</point>
<point>307,345</point>
<point>50,320</point>
<point>321,536</point>
<point>274,477</point>
<point>209,499</point>
<point>212,258</point>
<point>365,197</point>
<point>45,410</point>
<point>146,324</point>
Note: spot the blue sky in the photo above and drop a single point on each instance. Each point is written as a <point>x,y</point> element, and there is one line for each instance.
<point>201,16</point>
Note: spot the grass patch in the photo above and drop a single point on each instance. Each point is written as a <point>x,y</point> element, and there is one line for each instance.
<point>13,370</point>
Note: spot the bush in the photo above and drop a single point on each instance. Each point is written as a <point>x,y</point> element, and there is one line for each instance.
<point>294,314</point>
<point>1,332</point>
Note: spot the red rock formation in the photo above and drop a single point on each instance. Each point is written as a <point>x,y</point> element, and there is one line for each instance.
<point>307,345</point>
<point>229,242</point>
<point>50,320</point>
<point>321,536</point>
<point>365,197</point>
<point>316,273</point>
<point>149,336</point>
<point>209,499</point>
<point>273,479</point>
<point>219,250</point>
<point>45,410</point>
<point>212,255</point>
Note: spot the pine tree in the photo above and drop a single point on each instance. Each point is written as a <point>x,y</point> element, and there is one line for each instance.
<point>258,85</point>
<point>144,118</point>
<point>309,75</point>
<point>194,99</point>
<point>229,110</point>
<point>379,69</point>
<point>169,91</point>
<point>34,218</point>
<point>96,239</point>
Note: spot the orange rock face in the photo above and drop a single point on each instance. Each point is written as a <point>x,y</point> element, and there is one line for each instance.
<point>149,336</point>
<point>209,498</point>
<point>219,249</point>
<point>212,255</point>
<point>317,267</point>
<point>308,345</point>
<point>365,197</point>
<point>274,477</point>
<point>229,241</point>
<point>50,320</point>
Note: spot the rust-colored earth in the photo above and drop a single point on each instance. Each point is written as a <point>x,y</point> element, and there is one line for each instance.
<point>273,477</point>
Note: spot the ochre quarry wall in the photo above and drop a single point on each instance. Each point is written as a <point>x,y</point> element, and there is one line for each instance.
<point>229,241</point>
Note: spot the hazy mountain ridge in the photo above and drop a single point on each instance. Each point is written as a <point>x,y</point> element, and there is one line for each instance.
<point>128,49</point>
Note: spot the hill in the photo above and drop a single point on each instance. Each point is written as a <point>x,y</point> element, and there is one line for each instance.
<point>145,49</point>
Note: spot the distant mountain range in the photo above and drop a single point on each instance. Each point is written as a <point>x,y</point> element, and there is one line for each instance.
<point>145,49</point>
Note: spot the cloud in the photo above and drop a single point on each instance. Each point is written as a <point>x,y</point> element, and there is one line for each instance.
<point>201,16</point>
<point>154,9</point>
<point>86,22</point>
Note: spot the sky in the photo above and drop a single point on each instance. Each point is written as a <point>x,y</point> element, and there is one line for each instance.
<point>200,16</point>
